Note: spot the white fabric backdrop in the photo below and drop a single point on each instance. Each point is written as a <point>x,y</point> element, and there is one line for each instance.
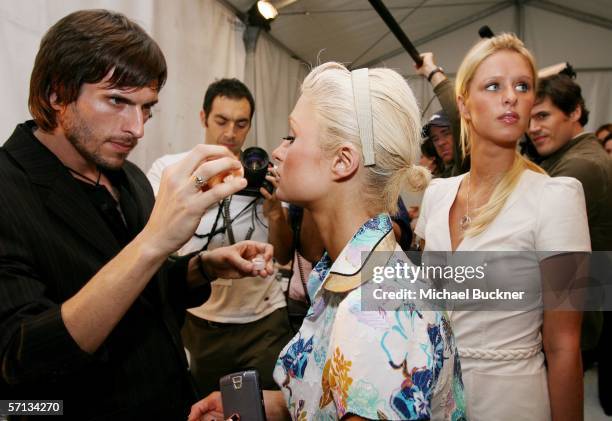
<point>202,42</point>
<point>275,78</point>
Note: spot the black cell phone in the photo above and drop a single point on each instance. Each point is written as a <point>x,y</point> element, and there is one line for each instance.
<point>242,395</point>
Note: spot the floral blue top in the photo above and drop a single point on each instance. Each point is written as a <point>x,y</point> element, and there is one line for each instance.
<point>375,364</point>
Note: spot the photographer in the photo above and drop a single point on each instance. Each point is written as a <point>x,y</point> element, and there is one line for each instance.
<point>243,324</point>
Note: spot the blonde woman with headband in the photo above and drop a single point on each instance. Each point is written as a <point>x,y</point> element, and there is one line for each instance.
<point>354,138</point>
<point>520,364</point>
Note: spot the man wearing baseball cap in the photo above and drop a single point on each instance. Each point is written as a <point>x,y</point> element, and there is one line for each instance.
<point>438,130</point>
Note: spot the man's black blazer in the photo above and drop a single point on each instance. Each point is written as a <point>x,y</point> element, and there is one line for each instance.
<point>52,241</point>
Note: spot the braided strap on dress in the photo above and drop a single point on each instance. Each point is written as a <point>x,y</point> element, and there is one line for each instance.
<point>500,354</point>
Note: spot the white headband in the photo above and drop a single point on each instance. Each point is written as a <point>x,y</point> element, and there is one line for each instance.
<point>363,106</point>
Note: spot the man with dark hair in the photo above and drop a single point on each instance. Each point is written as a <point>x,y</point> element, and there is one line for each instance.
<point>430,158</point>
<point>90,304</point>
<point>607,145</point>
<point>228,88</point>
<point>244,323</point>
<point>60,68</point>
<point>557,132</point>
<point>444,126</point>
<point>439,132</point>
<point>603,131</point>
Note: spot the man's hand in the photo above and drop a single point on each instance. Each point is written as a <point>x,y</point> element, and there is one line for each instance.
<point>209,408</point>
<point>555,69</point>
<point>428,65</point>
<point>180,204</point>
<point>240,260</point>
<point>92,313</point>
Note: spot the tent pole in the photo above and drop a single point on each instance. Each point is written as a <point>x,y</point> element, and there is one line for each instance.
<point>519,14</point>
<point>446,30</point>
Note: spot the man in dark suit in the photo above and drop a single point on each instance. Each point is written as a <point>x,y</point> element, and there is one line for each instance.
<point>87,310</point>
<point>557,131</point>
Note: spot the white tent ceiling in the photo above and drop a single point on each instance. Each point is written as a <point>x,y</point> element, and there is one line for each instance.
<point>350,31</point>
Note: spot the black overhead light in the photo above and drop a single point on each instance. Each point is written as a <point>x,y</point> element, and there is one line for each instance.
<point>260,14</point>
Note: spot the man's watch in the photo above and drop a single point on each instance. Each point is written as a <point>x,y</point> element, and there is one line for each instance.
<point>433,72</point>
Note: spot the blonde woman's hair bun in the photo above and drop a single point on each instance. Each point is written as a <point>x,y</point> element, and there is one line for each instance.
<point>417,178</point>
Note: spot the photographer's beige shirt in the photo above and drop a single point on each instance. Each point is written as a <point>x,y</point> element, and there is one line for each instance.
<point>242,300</point>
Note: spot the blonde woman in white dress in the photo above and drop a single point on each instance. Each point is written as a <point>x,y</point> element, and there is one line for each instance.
<point>517,365</point>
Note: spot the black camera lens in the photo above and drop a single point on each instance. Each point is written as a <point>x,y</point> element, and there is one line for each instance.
<point>255,159</point>
<point>255,162</point>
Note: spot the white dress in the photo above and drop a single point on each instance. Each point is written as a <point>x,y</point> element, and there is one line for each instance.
<point>501,351</point>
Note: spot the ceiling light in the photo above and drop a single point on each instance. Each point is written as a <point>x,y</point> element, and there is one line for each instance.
<point>267,9</point>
